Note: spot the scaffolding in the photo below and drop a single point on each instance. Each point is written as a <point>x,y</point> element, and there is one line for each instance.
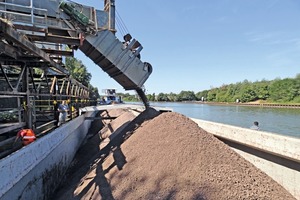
<point>35,38</point>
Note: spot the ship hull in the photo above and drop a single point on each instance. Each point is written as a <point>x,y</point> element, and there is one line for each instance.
<point>34,171</point>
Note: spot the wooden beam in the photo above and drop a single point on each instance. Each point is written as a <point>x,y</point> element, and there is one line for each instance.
<point>55,39</point>
<point>22,41</point>
<point>59,52</point>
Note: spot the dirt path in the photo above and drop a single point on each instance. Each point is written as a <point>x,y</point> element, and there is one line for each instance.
<point>169,157</point>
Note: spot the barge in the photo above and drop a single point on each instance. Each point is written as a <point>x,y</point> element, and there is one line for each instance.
<point>37,176</point>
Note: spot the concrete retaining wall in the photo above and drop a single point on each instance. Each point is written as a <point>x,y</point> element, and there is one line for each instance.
<point>34,171</point>
<point>276,155</point>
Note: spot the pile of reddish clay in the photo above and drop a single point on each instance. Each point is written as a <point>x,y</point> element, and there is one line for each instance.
<point>167,157</point>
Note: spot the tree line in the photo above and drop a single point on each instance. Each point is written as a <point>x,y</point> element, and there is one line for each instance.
<point>275,91</point>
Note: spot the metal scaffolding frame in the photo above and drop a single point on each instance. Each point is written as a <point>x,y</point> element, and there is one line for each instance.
<point>35,36</point>
<point>33,80</point>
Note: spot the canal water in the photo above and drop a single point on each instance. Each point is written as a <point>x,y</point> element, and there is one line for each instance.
<point>285,121</point>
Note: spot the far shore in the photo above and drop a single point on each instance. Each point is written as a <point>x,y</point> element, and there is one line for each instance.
<point>254,104</point>
<point>257,104</point>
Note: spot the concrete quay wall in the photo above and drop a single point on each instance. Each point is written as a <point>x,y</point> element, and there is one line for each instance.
<point>276,155</point>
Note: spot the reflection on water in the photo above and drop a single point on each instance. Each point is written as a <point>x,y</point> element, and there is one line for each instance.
<point>284,121</point>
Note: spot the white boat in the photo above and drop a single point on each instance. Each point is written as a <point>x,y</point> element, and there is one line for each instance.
<point>110,97</point>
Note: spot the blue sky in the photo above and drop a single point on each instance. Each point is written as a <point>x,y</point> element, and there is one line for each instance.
<point>198,44</point>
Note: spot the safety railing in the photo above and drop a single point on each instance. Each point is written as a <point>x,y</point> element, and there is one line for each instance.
<point>24,14</point>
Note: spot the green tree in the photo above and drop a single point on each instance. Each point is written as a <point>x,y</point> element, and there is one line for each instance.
<point>187,96</point>
<point>297,88</point>
<point>151,97</point>
<point>248,95</point>
<point>173,97</point>
<point>78,70</point>
<point>128,97</point>
<point>262,90</point>
<point>162,97</point>
<point>283,90</point>
<point>94,93</point>
<point>221,95</point>
<point>201,94</point>
<point>211,95</point>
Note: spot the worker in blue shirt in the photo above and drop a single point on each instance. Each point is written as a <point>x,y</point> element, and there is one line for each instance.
<point>63,109</point>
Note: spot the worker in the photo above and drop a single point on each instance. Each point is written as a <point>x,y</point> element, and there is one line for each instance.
<point>255,126</point>
<point>27,136</point>
<point>63,109</point>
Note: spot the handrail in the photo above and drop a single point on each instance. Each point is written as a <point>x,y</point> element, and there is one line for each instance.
<point>21,6</point>
<point>31,10</point>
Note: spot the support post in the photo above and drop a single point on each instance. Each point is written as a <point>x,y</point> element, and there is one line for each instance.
<point>109,6</point>
<point>28,107</point>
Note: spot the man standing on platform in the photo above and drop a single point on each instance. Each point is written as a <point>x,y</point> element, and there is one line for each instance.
<point>63,109</point>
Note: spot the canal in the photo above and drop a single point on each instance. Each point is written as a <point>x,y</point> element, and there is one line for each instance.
<point>284,121</point>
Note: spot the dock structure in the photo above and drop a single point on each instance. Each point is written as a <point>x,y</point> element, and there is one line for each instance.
<point>36,36</point>
<point>33,77</point>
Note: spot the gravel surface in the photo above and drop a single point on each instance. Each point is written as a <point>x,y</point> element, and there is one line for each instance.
<point>167,157</point>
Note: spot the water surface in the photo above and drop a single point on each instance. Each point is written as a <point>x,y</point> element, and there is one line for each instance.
<point>285,121</point>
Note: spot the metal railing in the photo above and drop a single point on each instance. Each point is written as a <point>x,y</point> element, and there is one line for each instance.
<point>30,9</point>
